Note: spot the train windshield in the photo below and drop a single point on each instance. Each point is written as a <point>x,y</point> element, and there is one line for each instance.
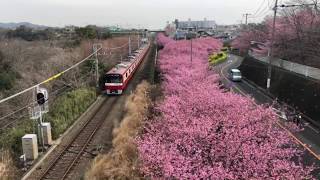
<point>113,78</point>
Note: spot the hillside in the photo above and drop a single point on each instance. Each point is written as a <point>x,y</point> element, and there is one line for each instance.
<point>12,25</point>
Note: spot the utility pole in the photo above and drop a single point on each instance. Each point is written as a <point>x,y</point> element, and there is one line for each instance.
<point>95,49</point>
<point>271,46</point>
<point>190,36</point>
<point>138,40</point>
<point>191,51</point>
<point>246,15</point>
<point>129,45</point>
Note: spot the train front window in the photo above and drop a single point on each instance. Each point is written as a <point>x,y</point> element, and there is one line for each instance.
<point>113,78</point>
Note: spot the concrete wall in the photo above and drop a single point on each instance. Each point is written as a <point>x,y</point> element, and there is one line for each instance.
<point>293,88</point>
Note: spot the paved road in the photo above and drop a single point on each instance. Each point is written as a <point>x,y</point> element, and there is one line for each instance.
<point>309,138</point>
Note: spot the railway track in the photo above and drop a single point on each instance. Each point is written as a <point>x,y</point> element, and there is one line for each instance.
<point>66,162</point>
<point>60,167</point>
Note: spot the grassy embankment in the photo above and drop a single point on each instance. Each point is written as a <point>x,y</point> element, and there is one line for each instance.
<point>63,113</point>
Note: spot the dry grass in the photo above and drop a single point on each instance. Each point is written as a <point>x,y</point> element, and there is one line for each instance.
<point>6,166</point>
<point>122,161</point>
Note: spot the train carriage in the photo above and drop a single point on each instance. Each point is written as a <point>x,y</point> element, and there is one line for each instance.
<point>117,79</point>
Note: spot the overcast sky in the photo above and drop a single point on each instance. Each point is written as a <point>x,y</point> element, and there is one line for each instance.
<point>128,13</point>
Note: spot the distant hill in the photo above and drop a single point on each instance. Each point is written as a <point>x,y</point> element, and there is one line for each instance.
<point>27,24</point>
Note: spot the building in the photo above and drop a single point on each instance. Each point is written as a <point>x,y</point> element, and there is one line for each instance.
<point>180,35</point>
<point>227,32</point>
<point>204,25</point>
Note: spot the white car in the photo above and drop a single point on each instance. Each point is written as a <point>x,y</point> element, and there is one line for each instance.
<point>235,75</point>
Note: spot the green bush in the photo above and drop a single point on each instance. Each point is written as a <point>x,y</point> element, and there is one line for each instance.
<point>68,108</point>
<point>88,32</point>
<point>63,113</point>
<point>225,49</point>
<point>12,138</point>
<point>7,80</point>
<point>217,58</point>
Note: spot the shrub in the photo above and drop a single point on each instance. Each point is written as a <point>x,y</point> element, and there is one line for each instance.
<point>7,80</point>
<point>65,110</point>
<point>217,58</point>
<point>29,34</point>
<point>12,138</point>
<point>88,32</point>
<point>68,108</point>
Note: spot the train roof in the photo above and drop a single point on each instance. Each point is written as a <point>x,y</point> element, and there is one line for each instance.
<point>120,68</point>
<point>123,66</point>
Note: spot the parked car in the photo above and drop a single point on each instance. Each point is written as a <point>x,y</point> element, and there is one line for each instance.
<point>235,75</point>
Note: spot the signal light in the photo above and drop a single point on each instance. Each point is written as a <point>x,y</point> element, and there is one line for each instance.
<point>42,96</point>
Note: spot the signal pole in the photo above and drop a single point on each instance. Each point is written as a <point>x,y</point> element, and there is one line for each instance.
<point>271,46</point>
<point>41,107</point>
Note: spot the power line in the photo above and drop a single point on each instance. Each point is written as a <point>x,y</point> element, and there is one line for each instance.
<point>263,13</point>
<point>28,105</point>
<point>261,5</point>
<point>49,79</point>
<point>119,47</point>
<point>58,75</point>
<point>270,4</point>
<point>296,5</point>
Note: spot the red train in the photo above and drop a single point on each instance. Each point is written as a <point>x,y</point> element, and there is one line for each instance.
<point>117,79</point>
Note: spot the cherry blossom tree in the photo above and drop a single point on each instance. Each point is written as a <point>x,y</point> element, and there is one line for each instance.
<point>255,32</point>
<point>296,35</point>
<point>202,132</point>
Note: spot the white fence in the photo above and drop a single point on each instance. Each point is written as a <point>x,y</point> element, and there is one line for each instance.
<point>307,71</point>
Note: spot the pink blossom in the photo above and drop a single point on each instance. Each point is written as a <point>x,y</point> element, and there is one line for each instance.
<point>204,133</point>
